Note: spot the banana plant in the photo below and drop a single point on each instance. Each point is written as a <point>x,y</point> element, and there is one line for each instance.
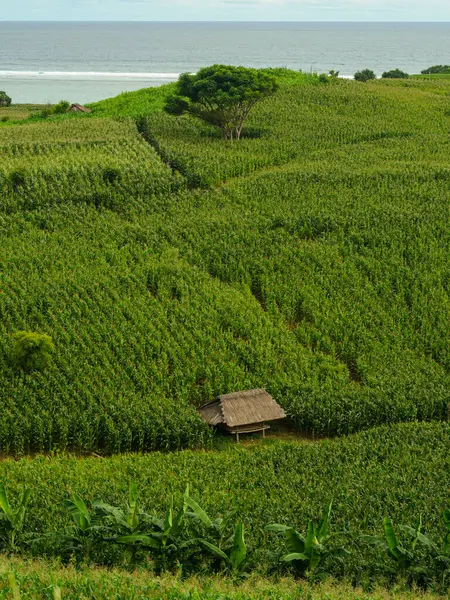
<point>165,541</point>
<point>439,556</point>
<point>120,523</point>
<point>86,529</point>
<point>236,558</point>
<point>216,528</point>
<point>12,519</point>
<point>306,553</point>
<point>405,556</point>
<point>392,545</point>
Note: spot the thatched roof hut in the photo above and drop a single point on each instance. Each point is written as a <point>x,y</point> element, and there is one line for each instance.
<point>242,412</point>
<point>79,108</point>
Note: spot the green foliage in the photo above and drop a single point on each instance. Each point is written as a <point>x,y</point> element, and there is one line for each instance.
<point>32,351</point>
<point>395,74</point>
<point>306,553</point>
<point>12,518</point>
<point>317,270</point>
<point>46,579</point>
<point>61,108</point>
<point>437,69</point>
<point>235,557</point>
<point>96,162</point>
<point>400,470</point>
<point>5,100</point>
<point>222,96</point>
<point>418,559</point>
<point>56,109</point>
<point>364,75</point>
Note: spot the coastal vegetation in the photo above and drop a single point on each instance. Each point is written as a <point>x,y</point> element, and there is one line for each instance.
<point>395,74</point>
<point>148,265</point>
<point>436,70</point>
<point>365,75</point>
<point>5,100</point>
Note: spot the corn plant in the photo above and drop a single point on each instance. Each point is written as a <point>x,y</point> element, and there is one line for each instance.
<point>12,518</point>
<point>306,553</point>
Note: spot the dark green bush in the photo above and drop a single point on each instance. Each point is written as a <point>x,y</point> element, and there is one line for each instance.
<point>18,178</point>
<point>437,69</point>
<point>31,351</point>
<point>5,100</point>
<point>395,74</point>
<point>365,75</point>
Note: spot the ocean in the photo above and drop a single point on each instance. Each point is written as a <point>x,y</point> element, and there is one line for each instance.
<point>85,62</point>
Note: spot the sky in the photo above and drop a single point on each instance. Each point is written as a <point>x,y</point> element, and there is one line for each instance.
<point>225,10</point>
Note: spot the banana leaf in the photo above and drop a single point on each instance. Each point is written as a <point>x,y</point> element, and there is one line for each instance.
<point>4,504</point>
<point>416,535</point>
<point>323,526</point>
<point>133,515</point>
<point>78,511</point>
<point>198,512</point>
<point>277,528</point>
<point>295,556</point>
<point>294,541</point>
<point>214,550</point>
<point>239,550</point>
<point>391,539</point>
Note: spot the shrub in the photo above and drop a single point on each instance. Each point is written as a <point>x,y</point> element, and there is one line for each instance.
<point>5,100</point>
<point>395,74</point>
<point>18,178</point>
<point>58,109</point>
<point>436,69</point>
<point>32,351</point>
<point>364,75</point>
<point>61,108</point>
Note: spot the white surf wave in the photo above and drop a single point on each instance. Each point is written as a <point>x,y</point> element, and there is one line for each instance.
<point>85,75</point>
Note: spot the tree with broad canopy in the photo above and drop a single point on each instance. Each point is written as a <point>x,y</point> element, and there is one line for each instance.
<point>221,95</point>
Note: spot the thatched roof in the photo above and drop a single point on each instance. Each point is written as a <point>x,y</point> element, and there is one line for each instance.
<point>242,408</point>
<point>79,108</point>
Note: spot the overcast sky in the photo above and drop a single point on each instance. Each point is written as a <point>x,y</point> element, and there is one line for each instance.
<point>225,10</point>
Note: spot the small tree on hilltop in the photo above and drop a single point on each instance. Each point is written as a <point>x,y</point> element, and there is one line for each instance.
<point>5,100</point>
<point>222,96</point>
<point>31,351</point>
<point>365,75</point>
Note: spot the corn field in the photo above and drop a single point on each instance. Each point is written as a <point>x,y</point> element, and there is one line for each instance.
<point>310,259</point>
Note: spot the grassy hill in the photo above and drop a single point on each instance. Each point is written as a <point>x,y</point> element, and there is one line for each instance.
<point>168,266</point>
<point>310,259</point>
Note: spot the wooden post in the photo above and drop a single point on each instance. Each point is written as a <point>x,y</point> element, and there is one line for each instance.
<point>237,437</point>
<point>264,431</point>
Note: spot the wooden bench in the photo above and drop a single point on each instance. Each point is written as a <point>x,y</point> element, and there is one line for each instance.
<point>248,429</point>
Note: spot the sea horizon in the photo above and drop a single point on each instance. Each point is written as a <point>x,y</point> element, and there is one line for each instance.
<point>85,61</point>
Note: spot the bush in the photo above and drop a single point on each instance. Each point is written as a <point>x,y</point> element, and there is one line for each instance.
<point>58,109</point>
<point>17,178</point>
<point>395,74</point>
<point>364,75</point>
<point>31,351</point>
<point>437,69</point>
<point>61,108</point>
<point>5,100</point>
